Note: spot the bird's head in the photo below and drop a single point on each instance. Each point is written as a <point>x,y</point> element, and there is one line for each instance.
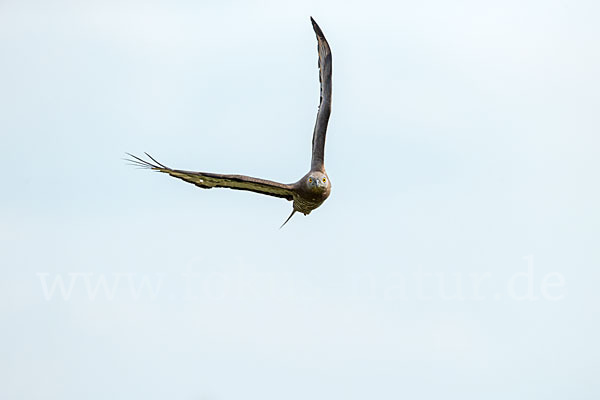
<point>317,182</point>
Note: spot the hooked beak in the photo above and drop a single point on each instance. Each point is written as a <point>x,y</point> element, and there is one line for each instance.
<point>316,184</point>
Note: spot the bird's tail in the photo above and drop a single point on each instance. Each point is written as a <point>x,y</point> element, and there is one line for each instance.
<point>288,218</point>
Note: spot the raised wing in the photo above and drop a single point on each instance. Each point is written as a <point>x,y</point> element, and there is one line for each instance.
<point>318,142</point>
<point>207,180</point>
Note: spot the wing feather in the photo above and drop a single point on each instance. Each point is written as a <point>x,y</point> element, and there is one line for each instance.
<point>325,63</point>
<point>207,180</point>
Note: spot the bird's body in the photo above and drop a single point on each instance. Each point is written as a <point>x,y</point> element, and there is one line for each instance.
<point>311,190</point>
<point>308,197</point>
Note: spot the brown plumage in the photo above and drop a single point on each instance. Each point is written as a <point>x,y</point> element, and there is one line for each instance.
<point>311,190</point>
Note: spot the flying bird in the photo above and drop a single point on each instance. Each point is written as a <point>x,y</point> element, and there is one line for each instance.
<point>306,194</point>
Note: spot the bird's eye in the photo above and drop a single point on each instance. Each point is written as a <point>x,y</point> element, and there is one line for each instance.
<point>310,180</point>
<point>324,179</point>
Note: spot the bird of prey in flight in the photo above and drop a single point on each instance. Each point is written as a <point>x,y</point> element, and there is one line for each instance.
<point>311,190</point>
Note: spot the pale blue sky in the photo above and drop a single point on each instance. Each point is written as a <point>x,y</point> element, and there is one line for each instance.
<point>463,139</point>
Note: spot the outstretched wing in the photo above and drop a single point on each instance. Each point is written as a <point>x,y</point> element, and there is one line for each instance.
<point>318,142</point>
<point>207,180</point>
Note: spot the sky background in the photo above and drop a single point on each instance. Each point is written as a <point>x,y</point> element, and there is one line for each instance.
<point>457,256</point>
